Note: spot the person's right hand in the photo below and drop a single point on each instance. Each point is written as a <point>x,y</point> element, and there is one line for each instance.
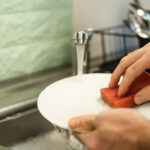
<point>130,67</point>
<point>114,129</point>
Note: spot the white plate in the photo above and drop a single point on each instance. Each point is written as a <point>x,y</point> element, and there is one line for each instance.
<point>76,96</point>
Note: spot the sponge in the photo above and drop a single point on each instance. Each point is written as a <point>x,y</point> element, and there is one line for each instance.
<point>110,94</point>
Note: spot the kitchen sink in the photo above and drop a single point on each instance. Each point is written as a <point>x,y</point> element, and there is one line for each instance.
<point>30,131</point>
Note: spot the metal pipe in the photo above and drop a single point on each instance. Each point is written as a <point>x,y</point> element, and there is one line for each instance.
<point>125,45</point>
<point>17,108</point>
<point>103,47</point>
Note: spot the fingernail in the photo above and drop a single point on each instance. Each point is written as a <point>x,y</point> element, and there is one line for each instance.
<point>138,100</point>
<point>119,95</point>
<point>121,92</point>
<point>74,123</point>
<point>109,85</point>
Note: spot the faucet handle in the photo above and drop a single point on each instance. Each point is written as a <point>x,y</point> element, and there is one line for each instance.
<point>81,37</point>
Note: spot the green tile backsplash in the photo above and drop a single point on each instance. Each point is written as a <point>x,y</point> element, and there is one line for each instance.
<point>34,35</point>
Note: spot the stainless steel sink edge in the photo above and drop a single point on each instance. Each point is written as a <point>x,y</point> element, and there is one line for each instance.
<point>19,127</point>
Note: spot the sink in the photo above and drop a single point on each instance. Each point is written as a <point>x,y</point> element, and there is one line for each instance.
<point>47,141</point>
<point>29,130</point>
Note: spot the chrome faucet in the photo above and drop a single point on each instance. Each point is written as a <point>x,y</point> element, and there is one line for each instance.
<point>80,61</point>
<point>81,37</point>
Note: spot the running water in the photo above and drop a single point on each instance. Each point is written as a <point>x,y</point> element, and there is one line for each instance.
<point>58,139</point>
<point>80,50</point>
<point>51,140</point>
<point>70,140</point>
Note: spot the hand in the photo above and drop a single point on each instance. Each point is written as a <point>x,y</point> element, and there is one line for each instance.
<point>116,129</point>
<point>130,67</point>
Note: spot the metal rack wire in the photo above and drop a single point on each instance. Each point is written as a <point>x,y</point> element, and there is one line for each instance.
<point>113,44</point>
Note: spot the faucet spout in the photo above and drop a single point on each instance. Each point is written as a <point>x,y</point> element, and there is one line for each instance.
<point>81,39</point>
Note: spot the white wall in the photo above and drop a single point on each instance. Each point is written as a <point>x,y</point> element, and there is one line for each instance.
<point>101,13</point>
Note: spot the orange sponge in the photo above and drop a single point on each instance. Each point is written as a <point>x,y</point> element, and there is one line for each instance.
<point>110,95</point>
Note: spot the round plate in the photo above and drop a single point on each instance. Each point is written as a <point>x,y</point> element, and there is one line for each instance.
<point>75,96</point>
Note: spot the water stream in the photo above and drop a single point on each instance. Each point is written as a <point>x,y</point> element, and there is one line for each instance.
<point>71,142</point>
<point>57,139</point>
<point>80,50</point>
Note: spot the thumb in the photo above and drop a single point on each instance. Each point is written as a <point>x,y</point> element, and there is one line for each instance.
<point>143,95</point>
<point>85,122</point>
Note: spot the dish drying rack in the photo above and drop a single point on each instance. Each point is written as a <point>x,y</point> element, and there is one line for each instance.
<point>110,46</point>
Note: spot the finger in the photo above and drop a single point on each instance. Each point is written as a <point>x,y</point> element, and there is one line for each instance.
<point>123,65</point>
<point>142,96</point>
<point>91,140</point>
<point>131,74</point>
<point>85,122</point>
<point>85,138</point>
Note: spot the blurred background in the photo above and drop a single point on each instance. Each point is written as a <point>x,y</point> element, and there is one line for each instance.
<point>37,49</point>
<point>101,14</point>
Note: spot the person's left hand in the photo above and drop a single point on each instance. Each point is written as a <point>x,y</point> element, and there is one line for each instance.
<point>116,129</point>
